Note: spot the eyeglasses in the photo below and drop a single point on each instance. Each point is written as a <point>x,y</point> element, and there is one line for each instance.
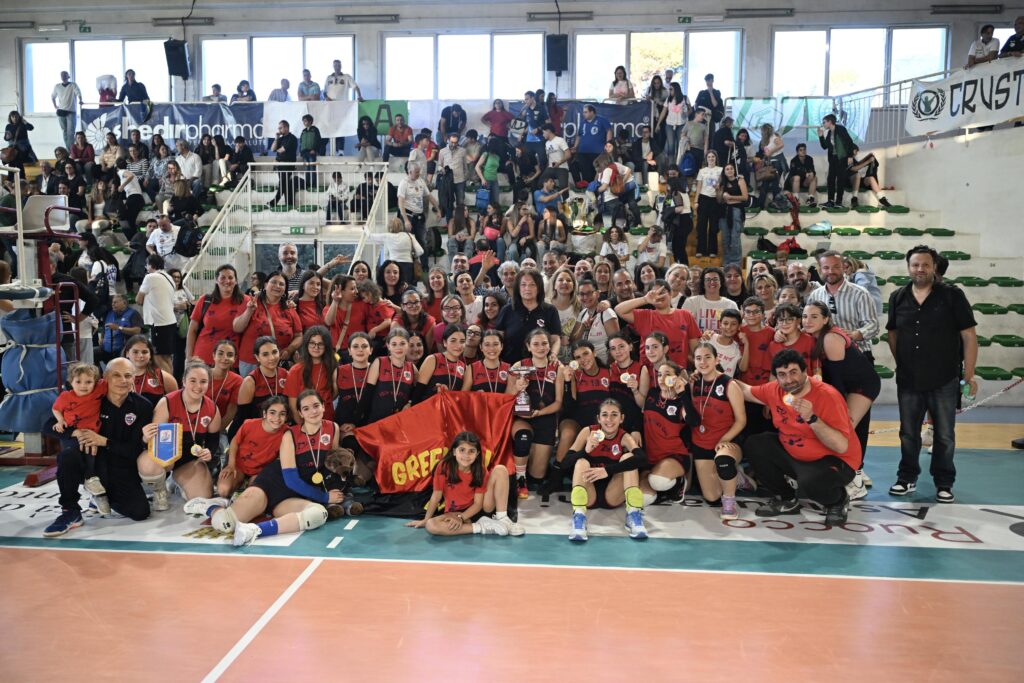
<point>786,320</point>
<point>451,309</point>
<point>317,345</point>
<point>472,333</point>
<point>411,303</point>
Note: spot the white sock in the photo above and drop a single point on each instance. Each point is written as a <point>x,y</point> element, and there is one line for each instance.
<point>500,515</point>
<point>521,471</point>
<point>476,528</point>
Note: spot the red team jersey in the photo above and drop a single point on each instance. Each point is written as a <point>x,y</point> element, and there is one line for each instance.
<point>224,391</point>
<point>267,387</point>
<point>351,385</point>
<point>679,326</point>
<point>804,345</point>
<point>663,427</point>
<point>217,325</point>
<point>311,450</point>
<point>493,381</point>
<point>759,360</point>
<point>591,392</point>
<point>309,314</point>
<point>711,400</point>
<point>457,497</point>
<point>256,447</point>
<point>356,323</point>
<point>193,425</point>
<point>81,412</point>
<point>320,381</point>
<point>286,326</point>
<point>609,449</point>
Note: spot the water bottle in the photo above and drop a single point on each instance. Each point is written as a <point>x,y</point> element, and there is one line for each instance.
<point>965,389</point>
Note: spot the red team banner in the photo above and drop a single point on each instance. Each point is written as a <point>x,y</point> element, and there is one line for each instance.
<point>409,444</point>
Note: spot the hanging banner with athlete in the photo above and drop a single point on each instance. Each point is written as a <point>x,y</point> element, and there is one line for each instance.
<point>984,95</point>
<point>410,443</point>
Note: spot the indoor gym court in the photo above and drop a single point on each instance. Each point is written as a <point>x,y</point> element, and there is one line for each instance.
<point>906,590</point>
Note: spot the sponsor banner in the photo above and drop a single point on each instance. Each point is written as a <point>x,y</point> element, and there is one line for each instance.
<point>383,113</point>
<point>622,116</point>
<point>984,95</point>
<point>334,119</point>
<point>189,122</point>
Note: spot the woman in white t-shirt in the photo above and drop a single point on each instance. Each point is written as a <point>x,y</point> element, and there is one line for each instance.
<point>567,304</point>
<point>399,246</point>
<point>707,206</point>
<point>133,197</point>
<point>707,306</point>
<point>596,323</point>
<point>616,243</point>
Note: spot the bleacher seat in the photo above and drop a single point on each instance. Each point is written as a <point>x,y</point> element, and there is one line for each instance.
<point>992,373</point>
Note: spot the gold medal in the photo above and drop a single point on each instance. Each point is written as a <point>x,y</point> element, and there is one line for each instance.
<point>196,449</point>
<point>317,478</point>
<point>788,399</point>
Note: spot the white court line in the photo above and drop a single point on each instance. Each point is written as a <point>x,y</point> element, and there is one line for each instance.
<point>527,565</point>
<point>334,543</point>
<point>255,629</point>
<point>351,525</point>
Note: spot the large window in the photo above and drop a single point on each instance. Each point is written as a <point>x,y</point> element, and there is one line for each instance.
<point>597,56</point>
<point>651,54</point>
<point>798,67</point>
<point>464,67</point>
<point>225,62</point>
<point>409,67</point>
<point>321,51</point>
<point>43,64</point>
<point>917,52</point>
<point>856,59</point>
<point>518,64</point>
<point>713,52</point>
<point>273,59</point>
<point>95,58</point>
<point>1000,34</point>
<point>148,59</point>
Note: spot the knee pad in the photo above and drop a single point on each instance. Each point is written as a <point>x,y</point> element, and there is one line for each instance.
<point>578,497</point>
<point>660,483</point>
<point>313,516</point>
<point>224,520</point>
<point>155,480</point>
<point>634,497</point>
<point>521,442</point>
<point>650,499</point>
<point>726,467</point>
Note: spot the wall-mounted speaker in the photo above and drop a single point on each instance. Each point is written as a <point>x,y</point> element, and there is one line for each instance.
<point>176,52</point>
<point>558,52</point>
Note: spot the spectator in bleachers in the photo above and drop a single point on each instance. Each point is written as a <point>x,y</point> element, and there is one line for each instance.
<point>413,194</point>
<point>16,134</point>
<point>61,156</point>
<point>368,145</point>
<point>182,206</point>
<point>558,155</point>
<point>609,172</point>
<point>113,151</point>
<point>535,115</point>
<point>796,275</point>
<point>1014,45</point>
<point>676,215</point>
<point>243,93</point>
<point>711,99</point>
<point>453,157</point>
<point>802,175</point>
<point>191,167</point>
<point>399,139</point>
<point>235,163</point>
<point>621,90</point>
<point>836,140</point>
<point>161,241</point>
<point>658,95</point>
<point>135,138</point>
<point>119,325</point>
<point>157,173</point>
<point>453,120</point>
<point>136,163</point>
<point>861,274</point>
<point>66,97</point>
<point>707,206</point>
<point>47,180</point>
<point>526,170</point>
<point>286,148</point>
<point>645,152</point>
<point>594,132</point>
<point>674,116</point>
<point>309,90</point>
<point>498,120</point>
<point>556,113</point>
<point>133,201</point>
<point>695,137</point>
<point>864,171</point>
<point>733,197</point>
<point>215,94</point>
<point>340,86</point>
<point>280,94</point>
<point>722,141</point>
<point>156,295</point>
<point>132,90</point>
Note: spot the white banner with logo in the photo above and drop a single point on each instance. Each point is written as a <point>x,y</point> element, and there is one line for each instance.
<point>983,96</point>
<point>334,119</point>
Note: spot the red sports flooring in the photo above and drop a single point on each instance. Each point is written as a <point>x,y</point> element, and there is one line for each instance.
<point>184,617</point>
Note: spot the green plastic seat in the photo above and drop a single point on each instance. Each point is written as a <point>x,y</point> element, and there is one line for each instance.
<point>885,307</point>
<point>772,209</point>
<point>984,341</point>
<point>755,232</point>
<point>878,232</point>
<point>886,255</point>
<point>1010,340</point>
<point>866,209</point>
<point>756,255</point>
<point>846,232</point>
<point>860,255</point>
<point>884,337</point>
<point>896,208</point>
<point>505,188</point>
<point>1016,308</point>
<point>266,188</point>
<point>810,209</point>
<point>836,209</point>
<point>256,208</point>
<point>281,208</point>
<point>880,281</point>
<point>638,230</point>
<point>783,231</point>
<point>990,309</point>
<point>909,232</point>
<point>1018,372</point>
<point>956,255</point>
<point>971,281</point>
<point>753,211</point>
<point>899,280</point>
<point>1006,281</point>
<point>822,188</point>
<point>991,372</point>
<point>884,372</point>
<point>309,208</point>
<point>646,209</point>
<point>940,232</point>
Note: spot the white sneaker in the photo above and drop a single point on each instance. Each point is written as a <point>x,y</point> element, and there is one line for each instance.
<point>245,534</point>
<point>488,525</point>
<point>160,502</point>
<point>224,520</point>
<point>513,528</point>
<point>927,436</point>
<point>94,486</point>
<point>856,489</point>
<point>199,506</point>
<point>867,479</point>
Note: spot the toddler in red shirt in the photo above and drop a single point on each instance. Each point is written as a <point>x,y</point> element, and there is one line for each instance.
<point>77,409</point>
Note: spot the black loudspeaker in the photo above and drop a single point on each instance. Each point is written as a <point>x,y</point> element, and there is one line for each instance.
<point>177,58</point>
<point>558,52</point>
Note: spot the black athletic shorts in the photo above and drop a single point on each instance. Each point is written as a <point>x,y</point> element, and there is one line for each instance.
<point>162,337</point>
<point>545,428</point>
<point>601,485</point>
<point>271,481</point>
<point>702,453</point>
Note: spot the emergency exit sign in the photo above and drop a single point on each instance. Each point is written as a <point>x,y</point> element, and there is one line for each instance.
<point>684,20</point>
<point>82,28</point>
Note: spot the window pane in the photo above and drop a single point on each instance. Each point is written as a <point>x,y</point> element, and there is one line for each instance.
<point>225,62</point>
<point>798,67</point>
<point>917,52</point>
<point>597,55</point>
<point>464,67</point>
<point>323,50</point>
<point>274,59</point>
<point>856,59</point>
<point>1000,34</point>
<point>713,52</point>
<point>43,64</point>
<point>148,59</point>
<point>518,64</point>
<point>409,67</point>
<point>652,53</point>
<point>95,58</point>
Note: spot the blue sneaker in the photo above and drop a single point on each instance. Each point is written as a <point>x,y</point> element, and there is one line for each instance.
<point>67,521</point>
<point>635,524</point>
<point>579,527</point>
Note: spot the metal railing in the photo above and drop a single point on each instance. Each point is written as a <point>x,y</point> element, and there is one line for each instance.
<point>228,240</point>
<point>328,192</point>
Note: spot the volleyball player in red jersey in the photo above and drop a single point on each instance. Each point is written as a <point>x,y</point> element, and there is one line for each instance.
<point>630,383</point>
<point>200,440</point>
<point>605,461</point>
<point>316,369</point>
<point>346,313</point>
<point>390,379</point>
<point>256,444</point>
<point>677,324</point>
<point>296,489</point>
<point>268,379</point>
<point>351,381</point>
<point>150,381</point>
<point>668,416</point>
<point>588,385</point>
<point>470,494</point>
<point>444,371</point>
<point>788,335</point>
<point>718,402</point>
<point>224,382</point>
<point>533,435</point>
<point>490,373</point>
<point>655,351</point>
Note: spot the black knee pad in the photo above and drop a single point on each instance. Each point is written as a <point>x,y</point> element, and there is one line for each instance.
<point>726,467</point>
<point>521,442</point>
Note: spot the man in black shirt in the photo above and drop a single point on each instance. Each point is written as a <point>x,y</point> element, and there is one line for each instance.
<point>802,175</point>
<point>286,147</point>
<point>933,337</point>
<point>723,143</point>
<point>237,162</point>
<point>132,90</point>
<point>712,99</point>
<point>1014,45</point>
<point>118,444</point>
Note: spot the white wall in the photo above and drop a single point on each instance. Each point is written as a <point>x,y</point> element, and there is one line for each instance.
<point>974,180</point>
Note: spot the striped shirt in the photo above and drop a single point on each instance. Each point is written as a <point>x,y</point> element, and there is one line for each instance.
<point>852,308</point>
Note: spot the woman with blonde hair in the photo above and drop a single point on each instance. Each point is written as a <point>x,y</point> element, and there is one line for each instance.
<point>400,246</point>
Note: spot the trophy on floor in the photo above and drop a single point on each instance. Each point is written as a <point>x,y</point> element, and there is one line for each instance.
<point>523,406</point>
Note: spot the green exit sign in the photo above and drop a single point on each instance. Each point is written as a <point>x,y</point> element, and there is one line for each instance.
<point>684,20</point>
<point>82,28</point>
